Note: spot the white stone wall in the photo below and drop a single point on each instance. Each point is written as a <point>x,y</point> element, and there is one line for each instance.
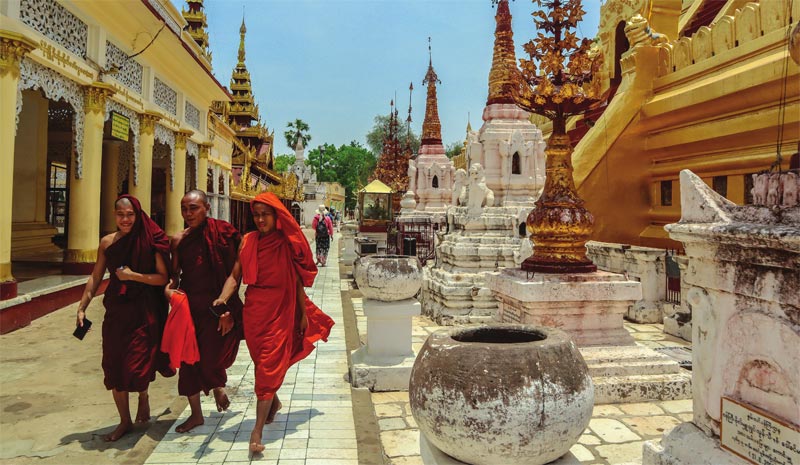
<point>644,264</point>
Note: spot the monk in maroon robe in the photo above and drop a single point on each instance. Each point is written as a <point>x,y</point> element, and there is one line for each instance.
<point>281,324</point>
<point>203,256</point>
<point>136,257</point>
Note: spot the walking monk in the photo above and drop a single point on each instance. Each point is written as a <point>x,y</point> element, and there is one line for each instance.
<point>203,255</point>
<point>281,324</point>
<point>136,257</point>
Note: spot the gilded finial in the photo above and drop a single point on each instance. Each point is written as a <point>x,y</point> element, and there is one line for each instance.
<point>503,74</point>
<point>242,32</point>
<point>431,127</point>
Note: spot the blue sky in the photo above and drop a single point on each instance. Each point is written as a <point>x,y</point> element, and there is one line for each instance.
<point>336,64</point>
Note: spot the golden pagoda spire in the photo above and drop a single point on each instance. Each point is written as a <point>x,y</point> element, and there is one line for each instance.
<point>431,127</point>
<point>196,19</point>
<point>502,76</point>
<point>242,32</point>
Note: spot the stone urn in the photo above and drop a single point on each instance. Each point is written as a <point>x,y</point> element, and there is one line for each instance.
<point>510,394</point>
<point>388,278</point>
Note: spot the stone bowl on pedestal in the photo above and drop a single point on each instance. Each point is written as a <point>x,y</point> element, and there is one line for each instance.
<point>510,394</point>
<point>388,278</point>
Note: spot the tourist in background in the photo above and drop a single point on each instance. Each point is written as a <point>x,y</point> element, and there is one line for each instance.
<point>136,257</point>
<point>202,258</point>
<point>281,324</point>
<point>323,231</point>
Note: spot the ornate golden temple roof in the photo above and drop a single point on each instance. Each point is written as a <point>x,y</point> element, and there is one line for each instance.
<point>243,108</point>
<point>431,127</point>
<point>504,61</point>
<point>196,18</point>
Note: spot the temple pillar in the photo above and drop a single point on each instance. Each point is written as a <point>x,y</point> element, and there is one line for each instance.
<point>84,193</point>
<point>12,48</point>
<point>141,188</point>
<point>202,167</point>
<point>177,185</point>
<point>108,189</point>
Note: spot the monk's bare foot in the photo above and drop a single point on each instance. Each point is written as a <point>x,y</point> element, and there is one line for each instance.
<point>143,411</point>
<point>273,410</point>
<point>120,431</point>
<point>191,423</point>
<point>255,443</point>
<point>221,397</point>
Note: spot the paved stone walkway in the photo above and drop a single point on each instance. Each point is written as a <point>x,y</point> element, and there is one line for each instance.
<point>316,424</point>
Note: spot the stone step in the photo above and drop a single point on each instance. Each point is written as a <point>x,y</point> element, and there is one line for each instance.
<point>656,367</point>
<point>621,354</point>
<point>642,388</point>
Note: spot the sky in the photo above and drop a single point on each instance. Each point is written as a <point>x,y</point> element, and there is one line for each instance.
<point>336,64</point>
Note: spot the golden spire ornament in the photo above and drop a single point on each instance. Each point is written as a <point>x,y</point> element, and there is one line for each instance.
<point>503,75</point>
<point>431,127</point>
<point>557,81</point>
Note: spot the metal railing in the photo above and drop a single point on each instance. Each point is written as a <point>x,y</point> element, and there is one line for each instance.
<point>673,274</point>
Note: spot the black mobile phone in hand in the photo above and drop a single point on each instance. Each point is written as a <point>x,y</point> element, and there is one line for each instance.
<point>80,331</point>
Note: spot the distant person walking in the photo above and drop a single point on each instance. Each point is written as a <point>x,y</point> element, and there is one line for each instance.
<point>136,257</point>
<point>202,258</point>
<point>323,231</point>
<point>281,324</point>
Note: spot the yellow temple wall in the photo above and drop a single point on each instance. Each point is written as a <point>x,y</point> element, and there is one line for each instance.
<point>710,103</point>
<point>79,67</point>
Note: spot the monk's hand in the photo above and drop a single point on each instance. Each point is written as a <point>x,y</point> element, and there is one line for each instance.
<point>225,323</point>
<point>124,273</point>
<point>80,318</point>
<point>301,328</point>
<point>218,302</point>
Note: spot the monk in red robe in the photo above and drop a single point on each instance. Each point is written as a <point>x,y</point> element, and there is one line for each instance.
<point>281,324</point>
<point>136,257</point>
<point>203,256</point>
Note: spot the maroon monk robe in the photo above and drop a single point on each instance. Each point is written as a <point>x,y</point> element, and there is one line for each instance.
<point>206,256</point>
<point>135,312</point>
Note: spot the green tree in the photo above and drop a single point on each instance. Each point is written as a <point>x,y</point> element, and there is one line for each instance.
<point>297,129</point>
<point>283,162</point>
<point>453,149</point>
<point>350,165</point>
<point>377,135</point>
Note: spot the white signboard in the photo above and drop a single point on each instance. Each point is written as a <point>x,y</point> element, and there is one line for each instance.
<point>754,435</point>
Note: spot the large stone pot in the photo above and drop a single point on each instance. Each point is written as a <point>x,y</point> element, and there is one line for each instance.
<point>388,277</point>
<point>501,394</point>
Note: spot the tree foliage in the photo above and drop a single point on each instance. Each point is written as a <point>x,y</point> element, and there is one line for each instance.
<point>297,129</point>
<point>283,162</point>
<point>453,149</point>
<point>350,165</point>
<point>378,133</point>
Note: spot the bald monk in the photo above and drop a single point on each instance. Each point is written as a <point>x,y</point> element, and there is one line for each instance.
<point>202,257</point>
<point>136,257</point>
<point>281,324</point>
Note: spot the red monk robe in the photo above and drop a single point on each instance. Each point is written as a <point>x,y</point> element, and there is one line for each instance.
<point>206,256</point>
<point>135,312</point>
<point>271,299</point>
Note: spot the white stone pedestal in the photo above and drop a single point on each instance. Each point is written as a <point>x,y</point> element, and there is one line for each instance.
<point>349,231</point>
<point>431,455</point>
<point>588,306</point>
<point>385,363</point>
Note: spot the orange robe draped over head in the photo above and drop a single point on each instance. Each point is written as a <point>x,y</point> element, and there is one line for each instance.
<point>271,265</point>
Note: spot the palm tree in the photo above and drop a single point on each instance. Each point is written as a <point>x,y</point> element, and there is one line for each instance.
<point>297,129</point>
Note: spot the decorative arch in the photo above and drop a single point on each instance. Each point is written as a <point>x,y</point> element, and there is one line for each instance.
<point>55,87</point>
<point>516,166</point>
<point>435,182</point>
